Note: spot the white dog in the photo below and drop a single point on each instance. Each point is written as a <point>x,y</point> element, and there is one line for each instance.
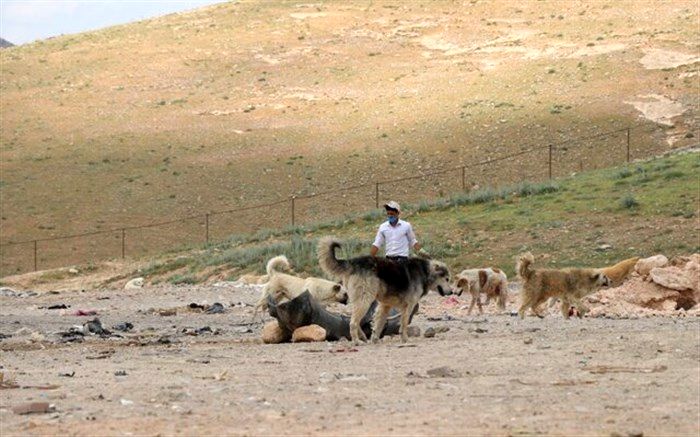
<point>282,285</point>
<point>489,281</point>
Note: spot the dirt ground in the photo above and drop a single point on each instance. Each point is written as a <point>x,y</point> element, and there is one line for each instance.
<point>488,374</point>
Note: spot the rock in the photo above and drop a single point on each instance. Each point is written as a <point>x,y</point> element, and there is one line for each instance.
<point>33,407</point>
<point>134,284</point>
<point>272,333</point>
<point>671,277</point>
<point>215,308</point>
<point>308,333</point>
<point>73,271</point>
<point>429,333</point>
<point>528,340</point>
<point>644,265</point>
<point>413,331</point>
<point>603,247</point>
<point>443,372</point>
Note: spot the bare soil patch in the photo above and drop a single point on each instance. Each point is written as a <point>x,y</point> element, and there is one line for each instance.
<point>488,374</point>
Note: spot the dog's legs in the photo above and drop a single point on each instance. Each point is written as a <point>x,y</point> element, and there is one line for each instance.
<point>361,304</point>
<point>478,302</point>
<point>565,306</point>
<point>405,317</point>
<point>379,321</point>
<point>525,303</point>
<point>475,297</point>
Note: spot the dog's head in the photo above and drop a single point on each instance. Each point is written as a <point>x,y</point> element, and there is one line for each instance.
<point>600,279</point>
<point>340,293</point>
<point>460,286</point>
<point>440,278</point>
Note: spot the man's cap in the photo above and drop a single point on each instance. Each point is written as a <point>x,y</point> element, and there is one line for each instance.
<point>392,205</point>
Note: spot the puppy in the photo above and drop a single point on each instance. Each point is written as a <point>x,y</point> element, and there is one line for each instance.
<point>569,285</point>
<point>489,281</point>
<point>282,285</point>
<point>391,283</point>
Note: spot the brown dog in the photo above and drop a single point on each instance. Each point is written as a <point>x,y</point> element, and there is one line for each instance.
<point>569,285</point>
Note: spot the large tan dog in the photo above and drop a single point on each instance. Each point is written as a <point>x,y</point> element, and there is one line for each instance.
<point>282,285</point>
<point>569,285</point>
<point>491,282</point>
<point>390,283</point>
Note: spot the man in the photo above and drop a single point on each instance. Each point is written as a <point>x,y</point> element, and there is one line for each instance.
<point>397,235</point>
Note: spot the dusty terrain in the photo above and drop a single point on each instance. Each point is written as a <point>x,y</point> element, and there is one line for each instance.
<point>499,375</point>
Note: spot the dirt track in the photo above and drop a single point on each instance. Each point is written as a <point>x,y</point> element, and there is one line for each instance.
<point>501,375</point>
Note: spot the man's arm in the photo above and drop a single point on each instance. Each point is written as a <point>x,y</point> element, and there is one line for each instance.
<point>373,250</point>
<point>378,242</point>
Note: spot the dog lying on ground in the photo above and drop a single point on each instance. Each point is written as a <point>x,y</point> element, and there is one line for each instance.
<point>391,283</point>
<point>569,285</point>
<point>303,310</point>
<point>489,281</point>
<point>282,285</point>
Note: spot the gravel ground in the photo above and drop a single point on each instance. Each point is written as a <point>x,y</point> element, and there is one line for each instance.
<point>487,374</point>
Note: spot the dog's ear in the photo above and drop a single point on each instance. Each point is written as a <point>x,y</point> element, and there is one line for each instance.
<point>462,282</point>
<point>337,287</point>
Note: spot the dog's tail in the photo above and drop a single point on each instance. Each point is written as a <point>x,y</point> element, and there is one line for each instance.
<point>523,266</point>
<point>276,264</point>
<point>336,268</point>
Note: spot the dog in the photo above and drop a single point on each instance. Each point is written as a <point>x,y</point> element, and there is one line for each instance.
<point>282,285</point>
<point>489,281</point>
<point>617,274</point>
<point>399,284</point>
<point>620,271</point>
<point>569,285</point>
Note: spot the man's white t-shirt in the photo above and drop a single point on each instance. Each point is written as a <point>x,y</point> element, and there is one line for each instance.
<point>398,239</point>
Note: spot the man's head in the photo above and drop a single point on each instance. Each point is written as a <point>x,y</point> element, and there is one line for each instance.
<point>393,209</point>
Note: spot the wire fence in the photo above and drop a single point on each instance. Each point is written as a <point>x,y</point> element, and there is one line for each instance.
<point>533,164</point>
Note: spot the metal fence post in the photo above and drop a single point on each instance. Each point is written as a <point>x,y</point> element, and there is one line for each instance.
<point>292,198</point>
<point>376,195</point>
<point>464,178</point>
<point>35,269</point>
<point>206,223</point>
<point>123,242</point>
<point>550,161</point>
<point>628,145</point>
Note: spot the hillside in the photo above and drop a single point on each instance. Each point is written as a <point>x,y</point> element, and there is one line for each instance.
<point>592,219</point>
<point>251,102</point>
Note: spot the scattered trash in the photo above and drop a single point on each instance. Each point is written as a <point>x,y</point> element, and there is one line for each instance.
<point>199,331</point>
<point>85,313</point>
<point>67,375</point>
<point>33,408</point>
<point>451,301</point>
<point>196,306</point>
<point>215,308</point>
<point>73,334</point>
<point>126,402</point>
<point>94,326</point>
<point>343,349</point>
<point>168,312</point>
<point>480,330</point>
<point>56,307</point>
<point>123,326</point>
<point>120,373</point>
<point>8,292</point>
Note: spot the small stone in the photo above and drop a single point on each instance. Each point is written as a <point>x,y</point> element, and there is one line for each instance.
<point>413,331</point>
<point>429,333</point>
<point>527,341</point>
<point>443,372</point>
<point>33,407</point>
